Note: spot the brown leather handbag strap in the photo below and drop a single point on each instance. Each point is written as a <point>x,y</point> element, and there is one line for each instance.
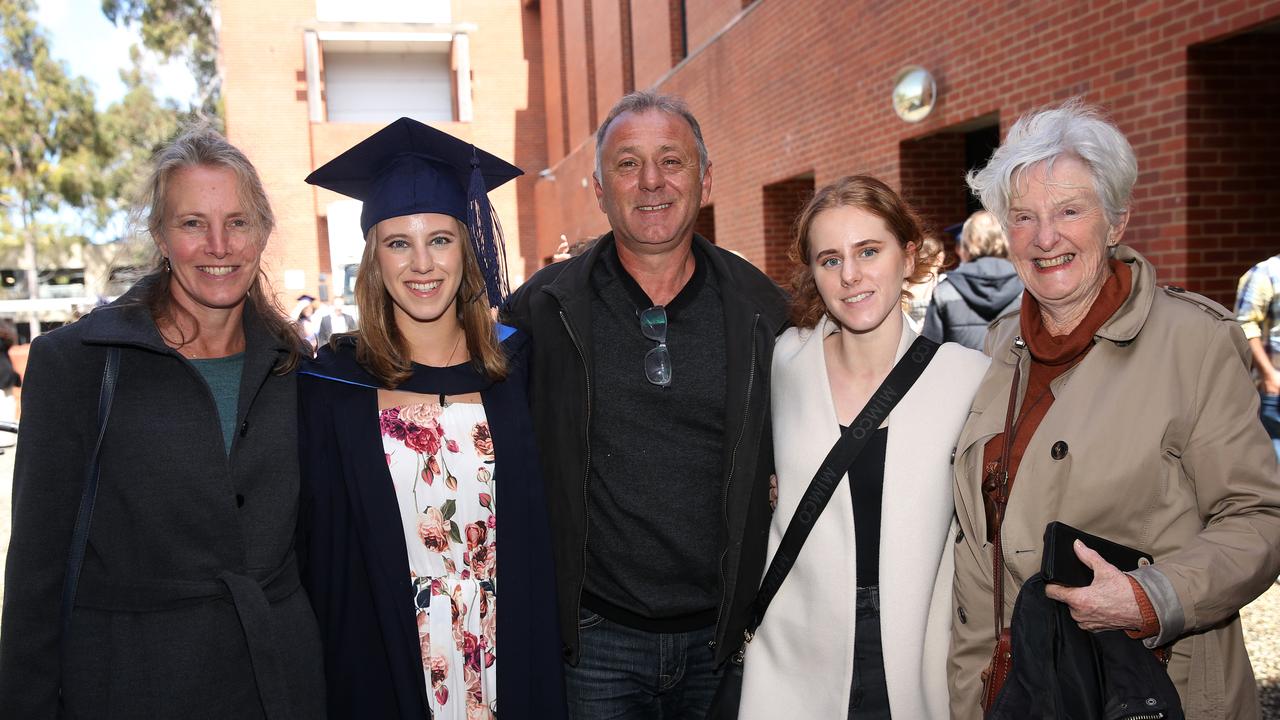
<point>1000,499</point>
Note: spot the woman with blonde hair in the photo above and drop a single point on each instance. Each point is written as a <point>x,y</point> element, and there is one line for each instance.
<point>415,431</point>
<point>858,628</point>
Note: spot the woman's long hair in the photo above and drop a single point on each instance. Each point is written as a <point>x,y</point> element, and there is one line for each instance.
<point>202,146</point>
<point>383,351</point>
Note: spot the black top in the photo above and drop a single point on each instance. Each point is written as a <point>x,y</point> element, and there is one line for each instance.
<point>655,452</point>
<point>866,485</point>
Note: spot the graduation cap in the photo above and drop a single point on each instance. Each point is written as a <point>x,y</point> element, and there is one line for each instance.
<point>407,168</point>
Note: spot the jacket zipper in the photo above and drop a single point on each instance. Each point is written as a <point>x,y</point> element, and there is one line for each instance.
<point>586,471</point>
<point>724,493</point>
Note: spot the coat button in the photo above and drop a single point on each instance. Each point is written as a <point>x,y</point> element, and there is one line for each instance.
<point>959,536</point>
<point>1059,450</point>
<point>1175,288</point>
<point>964,619</point>
<point>566,651</point>
<point>239,500</point>
<point>244,428</point>
<point>953,456</point>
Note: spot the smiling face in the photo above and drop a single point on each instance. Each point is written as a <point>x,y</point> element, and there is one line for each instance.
<point>1058,236</point>
<point>859,268</point>
<point>209,239</point>
<point>420,258</point>
<point>649,185</point>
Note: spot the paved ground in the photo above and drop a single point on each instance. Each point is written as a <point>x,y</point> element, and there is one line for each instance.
<point>1261,619</point>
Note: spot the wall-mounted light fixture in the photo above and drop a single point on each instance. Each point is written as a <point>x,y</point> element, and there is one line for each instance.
<point>914,93</point>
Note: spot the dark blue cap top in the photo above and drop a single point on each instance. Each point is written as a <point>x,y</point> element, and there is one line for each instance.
<point>408,167</point>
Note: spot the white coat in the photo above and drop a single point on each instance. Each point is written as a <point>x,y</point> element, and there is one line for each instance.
<point>800,664</point>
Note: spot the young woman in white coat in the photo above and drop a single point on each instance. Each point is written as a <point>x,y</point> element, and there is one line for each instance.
<point>859,629</point>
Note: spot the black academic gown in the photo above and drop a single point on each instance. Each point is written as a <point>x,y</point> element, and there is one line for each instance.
<point>354,561</point>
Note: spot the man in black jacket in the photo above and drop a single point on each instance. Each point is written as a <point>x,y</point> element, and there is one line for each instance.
<point>650,394</point>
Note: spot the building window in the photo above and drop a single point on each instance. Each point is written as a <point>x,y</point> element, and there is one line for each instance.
<point>381,86</point>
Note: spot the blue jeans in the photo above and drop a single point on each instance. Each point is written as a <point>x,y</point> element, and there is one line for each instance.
<point>626,674</point>
<point>1270,414</point>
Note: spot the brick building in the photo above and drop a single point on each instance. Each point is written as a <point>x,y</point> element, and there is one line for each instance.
<point>792,94</point>
<point>304,80</point>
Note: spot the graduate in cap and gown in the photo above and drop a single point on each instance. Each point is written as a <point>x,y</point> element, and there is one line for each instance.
<point>418,455</point>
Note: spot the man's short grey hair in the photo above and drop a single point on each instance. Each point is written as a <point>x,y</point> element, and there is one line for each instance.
<point>642,101</point>
<point>1075,129</point>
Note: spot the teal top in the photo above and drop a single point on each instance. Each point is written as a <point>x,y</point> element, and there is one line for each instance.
<point>223,377</point>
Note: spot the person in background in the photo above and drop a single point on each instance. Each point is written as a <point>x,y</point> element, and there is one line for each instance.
<point>10,380</point>
<point>984,286</point>
<point>650,393</point>
<point>304,319</point>
<point>1121,408</point>
<point>919,291</point>
<point>418,455</point>
<point>859,629</point>
<point>336,322</point>
<point>189,600</point>
<point>1258,312</point>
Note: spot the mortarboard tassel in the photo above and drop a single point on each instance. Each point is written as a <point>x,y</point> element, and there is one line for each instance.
<point>486,236</point>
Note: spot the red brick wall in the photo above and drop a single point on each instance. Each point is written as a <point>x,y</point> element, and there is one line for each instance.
<point>553,80</point>
<point>651,41</point>
<point>782,202</point>
<point>704,18</point>
<point>264,92</point>
<point>786,90</point>
<point>1234,176</point>
<point>609,82</point>
<point>576,64</point>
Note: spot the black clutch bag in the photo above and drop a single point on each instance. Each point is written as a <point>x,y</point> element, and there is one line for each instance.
<point>1059,563</point>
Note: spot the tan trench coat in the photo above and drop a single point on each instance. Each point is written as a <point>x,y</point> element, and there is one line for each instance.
<point>1164,452</point>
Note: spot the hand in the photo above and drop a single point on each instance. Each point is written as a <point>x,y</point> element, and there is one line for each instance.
<point>1107,603</point>
<point>1271,381</point>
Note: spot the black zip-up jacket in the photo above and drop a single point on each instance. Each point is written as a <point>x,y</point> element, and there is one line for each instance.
<point>554,308</point>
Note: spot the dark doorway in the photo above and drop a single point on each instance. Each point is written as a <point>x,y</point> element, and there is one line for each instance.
<point>783,201</point>
<point>1233,159</point>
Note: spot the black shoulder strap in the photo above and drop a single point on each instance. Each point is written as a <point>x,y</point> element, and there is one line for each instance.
<point>80,536</point>
<point>842,455</point>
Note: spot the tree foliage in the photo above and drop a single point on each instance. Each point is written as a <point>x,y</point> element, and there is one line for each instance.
<point>177,29</point>
<point>49,132</point>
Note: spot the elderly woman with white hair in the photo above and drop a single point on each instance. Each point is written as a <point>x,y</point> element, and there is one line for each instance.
<point>1117,406</point>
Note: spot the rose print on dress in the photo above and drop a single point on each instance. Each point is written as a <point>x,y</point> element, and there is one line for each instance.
<point>445,488</point>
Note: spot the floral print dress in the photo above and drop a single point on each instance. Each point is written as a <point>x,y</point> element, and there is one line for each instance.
<point>441,463</point>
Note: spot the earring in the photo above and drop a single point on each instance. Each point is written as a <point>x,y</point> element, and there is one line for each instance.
<point>167,267</point>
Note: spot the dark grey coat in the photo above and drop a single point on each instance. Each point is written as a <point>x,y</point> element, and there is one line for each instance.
<point>970,297</point>
<point>189,603</point>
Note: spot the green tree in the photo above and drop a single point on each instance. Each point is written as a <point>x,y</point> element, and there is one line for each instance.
<point>178,29</point>
<point>134,128</point>
<point>52,147</point>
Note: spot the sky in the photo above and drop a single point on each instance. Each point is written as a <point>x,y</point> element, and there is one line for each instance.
<point>96,49</point>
